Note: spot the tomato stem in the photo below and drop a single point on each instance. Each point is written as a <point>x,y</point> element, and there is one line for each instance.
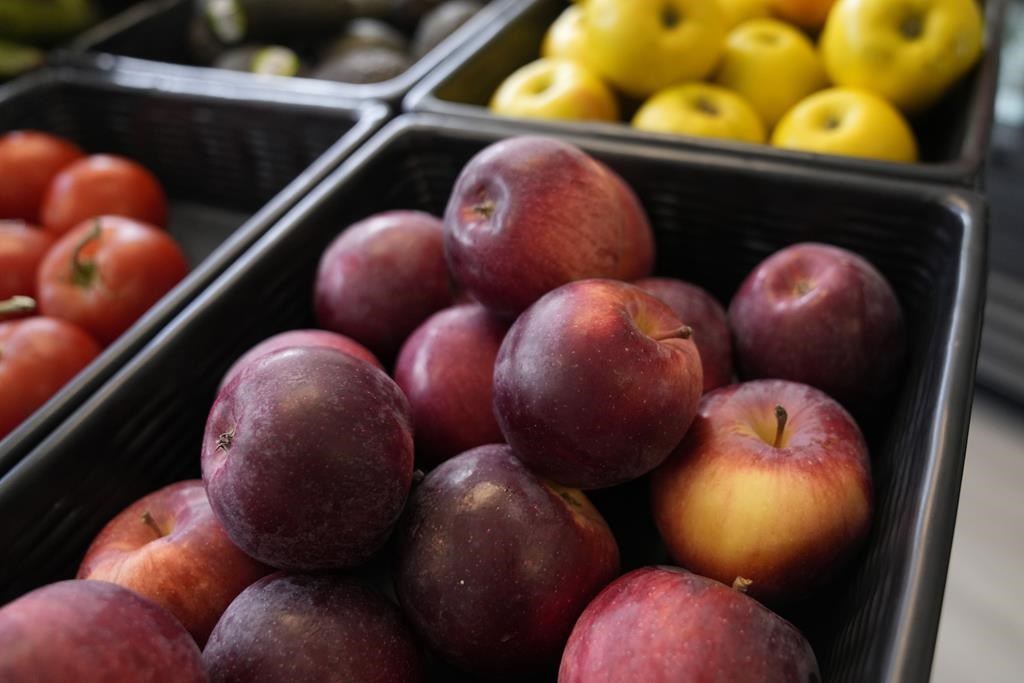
<point>84,272</point>
<point>17,304</point>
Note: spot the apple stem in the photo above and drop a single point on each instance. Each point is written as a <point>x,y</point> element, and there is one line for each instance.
<point>84,272</point>
<point>780,416</point>
<point>484,208</point>
<point>682,332</point>
<point>17,304</point>
<point>741,584</point>
<point>148,520</point>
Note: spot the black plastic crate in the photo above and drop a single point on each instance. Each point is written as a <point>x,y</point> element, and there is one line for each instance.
<point>152,37</point>
<point>953,136</point>
<point>715,217</point>
<point>231,162</point>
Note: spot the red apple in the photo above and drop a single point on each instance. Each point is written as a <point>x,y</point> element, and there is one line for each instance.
<point>495,564</point>
<point>446,369</point>
<point>824,316</point>
<point>698,309</point>
<point>94,631</point>
<point>664,624</point>
<point>381,278</point>
<point>302,338</point>
<point>529,214</point>
<point>169,547</point>
<point>292,627</point>
<point>596,383</point>
<point>307,458</point>
<point>781,498</point>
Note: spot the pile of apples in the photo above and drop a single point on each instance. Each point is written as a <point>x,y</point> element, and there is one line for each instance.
<point>749,70</point>
<point>534,360</point>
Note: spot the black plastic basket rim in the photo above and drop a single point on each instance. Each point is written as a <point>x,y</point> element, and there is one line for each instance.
<point>84,52</point>
<point>366,117</point>
<point>963,171</point>
<point>910,657</point>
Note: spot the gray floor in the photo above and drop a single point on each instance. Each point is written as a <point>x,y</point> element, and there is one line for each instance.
<point>981,635</point>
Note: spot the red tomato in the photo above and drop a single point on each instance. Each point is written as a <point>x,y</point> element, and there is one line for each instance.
<point>37,357</point>
<point>106,272</point>
<point>101,185</point>
<point>28,162</point>
<point>22,247</point>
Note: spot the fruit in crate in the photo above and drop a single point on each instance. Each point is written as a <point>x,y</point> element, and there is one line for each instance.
<point>822,315</point>
<point>596,383</point>
<point>22,247</point>
<point>381,277</point>
<point>94,631</point>
<point>169,547</point>
<point>307,458</point>
<point>642,46</point>
<point>528,214</point>
<point>564,39</point>
<point>848,122</point>
<point>29,160</point>
<point>446,369</point>
<point>269,60</point>
<point>772,65</point>
<point>666,624</point>
<point>439,23</point>
<point>555,88</point>
<point>495,564</point>
<point>699,310</point>
<point>738,11</point>
<point>772,484</point>
<point>808,14</point>
<point>700,110</point>
<point>910,53</point>
<point>295,627</point>
<point>105,273</point>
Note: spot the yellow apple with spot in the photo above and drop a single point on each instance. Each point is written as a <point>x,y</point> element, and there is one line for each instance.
<point>564,39</point>
<point>908,51</point>
<point>738,11</point>
<point>772,483</point>
<point>808,14</point>
<point>642,46</point>
<point>555,89</point>
<point>771,64</point>
<point>700,109</point>
<point>850,122</point>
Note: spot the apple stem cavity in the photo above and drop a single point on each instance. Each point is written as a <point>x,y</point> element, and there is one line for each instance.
<point>484,208</point>
<point>741,584</point>
<point>17,304</point>
<point>148,520</point>
<point>84,272</point>
<point>681,332</point>
<point>780,425</point>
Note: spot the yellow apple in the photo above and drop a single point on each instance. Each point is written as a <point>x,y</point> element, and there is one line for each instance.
<point>555,89</point>
<point>810,14</point>
<point>847,121</point>
<point>738,11</point>
<point>908,51</point>
<point>641,46</point>
<point>564,38</point>
<point>771,64</point>
<point>700,109</point>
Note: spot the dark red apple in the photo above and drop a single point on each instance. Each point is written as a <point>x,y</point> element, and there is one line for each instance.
<point>294,627</point>
<point>495,564</point>
<point>307,458</point>
<point>780,497</point>
<point>824,316</point>
<point>381,277</point>
<point>596,383</point>
<point>302,338</point>
<point>664,625</point>
<point>529,214</point>
<point>698,309</point>
<point>94,631</point>
<point>446,369</point>
<point>170,548</point>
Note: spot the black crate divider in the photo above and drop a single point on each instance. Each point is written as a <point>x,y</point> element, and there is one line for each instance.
<point>151,38</point>
<point>232,161</point>
<point>953,137</point>
<point>715,217</point>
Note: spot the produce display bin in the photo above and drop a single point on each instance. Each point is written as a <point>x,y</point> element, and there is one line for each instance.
<point>953,136</point>
<point>232,161</point>
<point>152,37</point>
<point>715,217</point>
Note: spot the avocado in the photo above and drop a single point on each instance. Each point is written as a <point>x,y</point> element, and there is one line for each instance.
<point>367,64</point>
<point>366,33</point>
<point>439,23</point>
<point>273,60</point>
